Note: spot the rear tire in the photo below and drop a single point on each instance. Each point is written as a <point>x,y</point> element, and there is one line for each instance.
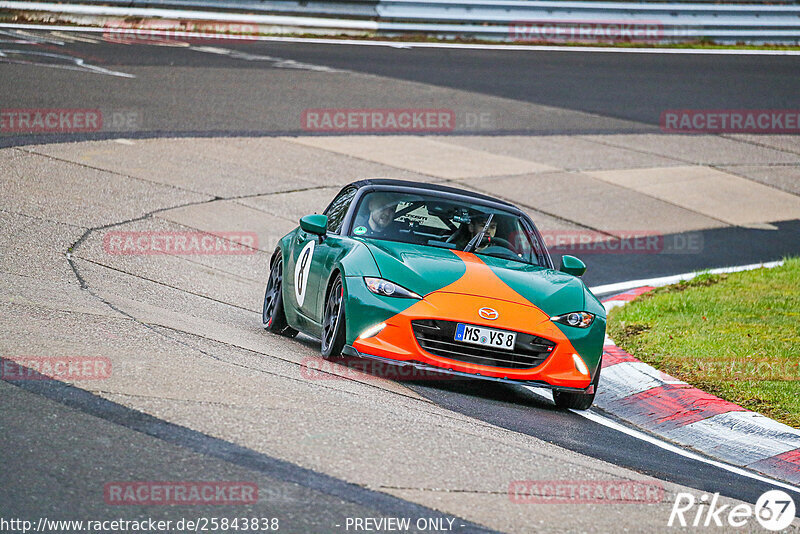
<point>577,401</point>
<point>333,321</point>
<point>273,316</point>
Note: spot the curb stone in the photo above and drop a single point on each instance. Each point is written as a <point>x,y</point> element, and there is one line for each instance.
<point>663,405</point>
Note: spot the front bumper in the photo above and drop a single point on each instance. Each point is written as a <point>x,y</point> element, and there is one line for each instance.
<point>396,342</point>
<point>425,370</point>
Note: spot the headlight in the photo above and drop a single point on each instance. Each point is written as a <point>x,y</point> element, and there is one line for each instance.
<point>379,286</point>
<point>576,319</point>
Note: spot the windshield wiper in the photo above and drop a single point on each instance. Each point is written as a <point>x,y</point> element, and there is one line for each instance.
<point>473,243</point>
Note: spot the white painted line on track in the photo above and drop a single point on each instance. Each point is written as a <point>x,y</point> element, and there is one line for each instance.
<point>277,62</point>
<point>409,45</point>
<point>674,279</point>
<point>82,39</point>
<point>29,38</point>
<point>599,419</point>
<point>543,48</point>
<point>16,56</point>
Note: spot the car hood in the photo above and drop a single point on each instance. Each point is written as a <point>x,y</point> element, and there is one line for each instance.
<point>425,269</point>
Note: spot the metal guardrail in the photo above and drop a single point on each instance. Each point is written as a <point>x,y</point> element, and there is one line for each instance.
<point>346,8</point>
<point>503,20</point>
<point>562,20</point>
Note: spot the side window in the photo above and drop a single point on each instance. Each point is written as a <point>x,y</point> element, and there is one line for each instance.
<point>338,208</point>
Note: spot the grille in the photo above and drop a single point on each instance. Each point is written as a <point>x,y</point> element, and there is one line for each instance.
<point>437,337</point>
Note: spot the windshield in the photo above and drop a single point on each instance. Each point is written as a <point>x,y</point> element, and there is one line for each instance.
<point>435,221</point>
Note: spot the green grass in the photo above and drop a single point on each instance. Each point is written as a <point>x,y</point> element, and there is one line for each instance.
<point>734,335</point>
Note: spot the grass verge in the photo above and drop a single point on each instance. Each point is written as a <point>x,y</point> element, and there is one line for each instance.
<point>734,335</point>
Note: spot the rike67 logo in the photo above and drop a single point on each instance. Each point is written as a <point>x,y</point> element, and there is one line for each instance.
<point>774,510</point>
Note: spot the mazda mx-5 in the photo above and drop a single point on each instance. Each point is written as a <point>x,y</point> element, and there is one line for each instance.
<point>441,279</point>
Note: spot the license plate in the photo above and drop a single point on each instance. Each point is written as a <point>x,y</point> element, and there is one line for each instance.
<point>488,337</point>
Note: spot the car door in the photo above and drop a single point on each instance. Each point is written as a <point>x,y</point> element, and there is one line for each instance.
<point>313,258</point>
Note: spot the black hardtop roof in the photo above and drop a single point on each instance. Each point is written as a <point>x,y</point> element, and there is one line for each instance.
<point>389,182</point>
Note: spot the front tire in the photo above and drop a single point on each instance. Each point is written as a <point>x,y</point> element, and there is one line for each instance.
<point>577,401</point>
<point>333,321</point>
<point>273,316</point>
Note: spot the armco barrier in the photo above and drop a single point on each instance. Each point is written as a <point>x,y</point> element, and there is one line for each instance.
<point>345,8</point>
<point>502,20</point>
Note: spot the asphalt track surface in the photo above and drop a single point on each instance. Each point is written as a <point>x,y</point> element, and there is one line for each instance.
<point>139,445</point>
<point>136,446</point>
<point>625,86</point>
<point>517,409</point>
<point>633,87</point>
<point>204,89</point>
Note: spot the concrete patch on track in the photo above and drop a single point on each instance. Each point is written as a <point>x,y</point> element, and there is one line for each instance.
<point>75,193</point>
<point>571,153</point>
<point>230,168</point>
<point>597,206</point>
<point>785,178</point>
<point>263,229</point>
<point>426,156</point>
<point>713,193</point>
<point>293,205</point>
<point>787,143</point>
<point>709,149</point>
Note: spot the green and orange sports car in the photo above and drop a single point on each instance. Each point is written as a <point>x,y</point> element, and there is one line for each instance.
<point>440,279</point>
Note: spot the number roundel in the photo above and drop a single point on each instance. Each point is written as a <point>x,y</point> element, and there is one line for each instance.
<point>301,270</point>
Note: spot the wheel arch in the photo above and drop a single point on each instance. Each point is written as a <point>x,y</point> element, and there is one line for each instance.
<point>277,252</point>
<point>337,269</point>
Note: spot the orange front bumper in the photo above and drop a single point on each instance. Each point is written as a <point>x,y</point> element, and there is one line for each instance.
<point>398,342</point>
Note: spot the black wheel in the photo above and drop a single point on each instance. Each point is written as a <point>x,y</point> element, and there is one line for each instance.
<point>273,317</point>
<point>333,321</point>
<point>577,401</point>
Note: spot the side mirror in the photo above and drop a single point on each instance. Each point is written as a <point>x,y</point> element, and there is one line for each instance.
<point>315,224</point>
<point>572,265</point>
